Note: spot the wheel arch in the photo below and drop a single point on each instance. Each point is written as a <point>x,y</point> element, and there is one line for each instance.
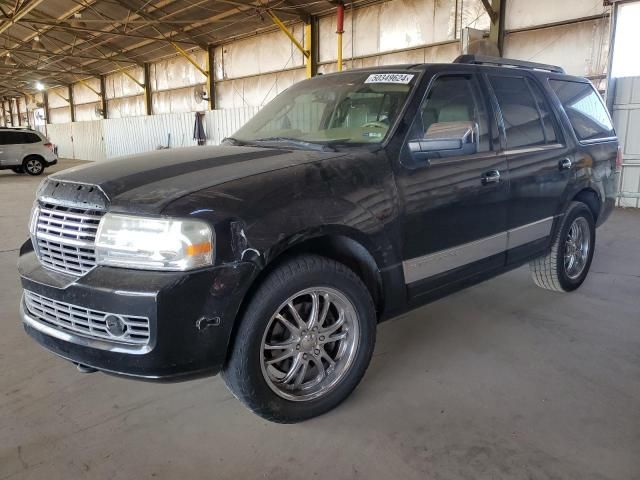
<point>33,155</point>
<point>591,199</point>
<point>339,244</point>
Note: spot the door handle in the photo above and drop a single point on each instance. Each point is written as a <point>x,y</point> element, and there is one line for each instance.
<point>492,176</point>
<point>564,164</point>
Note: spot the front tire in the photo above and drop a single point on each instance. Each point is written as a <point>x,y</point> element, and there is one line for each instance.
<point>567,264</point>
<point>33,165</point>
<point>304,342</point>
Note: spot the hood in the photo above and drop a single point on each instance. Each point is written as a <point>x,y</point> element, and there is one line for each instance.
<point>146,183</point>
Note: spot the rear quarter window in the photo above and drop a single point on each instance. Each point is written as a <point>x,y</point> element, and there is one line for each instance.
<point>585,109</point>
<point>31,138</point>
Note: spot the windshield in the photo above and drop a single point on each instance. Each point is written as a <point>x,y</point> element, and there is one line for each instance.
<point>357,107</point>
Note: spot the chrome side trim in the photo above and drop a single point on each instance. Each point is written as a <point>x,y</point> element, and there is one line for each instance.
<point>444,260</point>
<point>537,148</point>
<point>529,233</point>
<point>426,266</point>
<point>79,339</point>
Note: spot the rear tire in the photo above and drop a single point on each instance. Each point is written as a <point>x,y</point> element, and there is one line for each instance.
<point>323,360</point>
<point>567,264</point>
<point>18,170</point>
<point>33,165</point>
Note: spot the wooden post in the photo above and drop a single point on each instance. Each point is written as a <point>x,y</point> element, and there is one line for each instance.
<point>71,105</point>
<point>211,77</point>
<point>45,97</point>
<point>148,100</point>
<point>11,112</point>
<point>18,110</point>
<point>103,96</point>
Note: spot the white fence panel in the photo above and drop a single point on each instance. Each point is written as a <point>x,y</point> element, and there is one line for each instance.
<point>126,136</point>
<point>88,140</point>
<point>115,137</point>
<point>60,134</point>
<point>223,123</point>
<point>626,117</point>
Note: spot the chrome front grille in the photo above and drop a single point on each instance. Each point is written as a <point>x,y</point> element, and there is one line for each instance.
<point>65,237</point>
<point>86,322</point>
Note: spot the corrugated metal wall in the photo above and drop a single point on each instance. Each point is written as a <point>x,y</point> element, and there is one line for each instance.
<point>124,136</point>
<point>125,97</point>
<point>572,33</point>
<point>103,139</point>
<point>86,101</point>
<point>62,135</point>
<point>626,117</point>
<point>88,140</point>
<point>222,123</point>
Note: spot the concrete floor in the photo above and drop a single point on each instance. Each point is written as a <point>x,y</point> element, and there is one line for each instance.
<point>503,380</point>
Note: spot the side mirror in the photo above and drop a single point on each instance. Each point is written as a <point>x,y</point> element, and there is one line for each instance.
<point>445,139</point>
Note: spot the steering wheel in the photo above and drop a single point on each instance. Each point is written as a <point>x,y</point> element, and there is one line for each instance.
<point>375,125</point>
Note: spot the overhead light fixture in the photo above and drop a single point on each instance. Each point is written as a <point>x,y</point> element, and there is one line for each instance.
<point>37,44</point>
<point>39,86</point>
<point>10,61</point>
<point>77,17</point>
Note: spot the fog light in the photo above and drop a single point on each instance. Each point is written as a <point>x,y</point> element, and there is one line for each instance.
<point>115,325</point>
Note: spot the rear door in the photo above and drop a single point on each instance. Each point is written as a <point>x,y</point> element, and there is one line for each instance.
<point>12,148</point>
<point>540,162</point>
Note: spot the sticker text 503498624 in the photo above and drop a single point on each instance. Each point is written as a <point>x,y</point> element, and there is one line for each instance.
<point>389,78</point>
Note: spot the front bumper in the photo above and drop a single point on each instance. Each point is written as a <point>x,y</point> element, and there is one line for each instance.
<point>191,316</point>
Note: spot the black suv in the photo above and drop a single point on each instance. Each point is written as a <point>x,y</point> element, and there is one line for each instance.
<point>347,200</point>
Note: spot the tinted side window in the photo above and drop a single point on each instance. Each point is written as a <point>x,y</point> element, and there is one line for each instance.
<point>455,99</point>
<point>548,119</point>
<point>31,138</point>
<point>587,114</point>
<point>524,127</point>
<point>12,138</point>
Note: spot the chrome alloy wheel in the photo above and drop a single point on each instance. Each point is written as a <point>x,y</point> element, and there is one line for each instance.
<point>309,343</point>
<point>34,166</point>
<point>576,248</point>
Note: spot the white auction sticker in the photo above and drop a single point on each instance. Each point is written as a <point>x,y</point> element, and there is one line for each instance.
<point>403,78</point>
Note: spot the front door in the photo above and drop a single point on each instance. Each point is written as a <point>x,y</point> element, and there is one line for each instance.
<point>455,199</point>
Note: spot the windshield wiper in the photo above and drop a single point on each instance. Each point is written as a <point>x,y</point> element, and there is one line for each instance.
<point>232,141</point>
<point>322,147</point>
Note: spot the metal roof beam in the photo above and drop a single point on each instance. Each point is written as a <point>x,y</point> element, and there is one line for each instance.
<point>153,17</point>
<point>18,14</point>
<point>66,14</point>
<point>44,70</point>
<point>66,55</point>
<point>59,26</point>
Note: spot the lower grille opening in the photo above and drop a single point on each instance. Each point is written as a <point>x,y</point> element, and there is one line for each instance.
<point>117,328</point>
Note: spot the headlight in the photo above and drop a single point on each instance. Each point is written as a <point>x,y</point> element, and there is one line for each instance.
<point>153,243</point>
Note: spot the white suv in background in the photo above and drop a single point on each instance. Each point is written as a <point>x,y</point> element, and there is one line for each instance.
<point>24,150</point>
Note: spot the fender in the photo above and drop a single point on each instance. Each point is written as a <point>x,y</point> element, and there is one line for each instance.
<point>260,217</point>
<point>594,172</point>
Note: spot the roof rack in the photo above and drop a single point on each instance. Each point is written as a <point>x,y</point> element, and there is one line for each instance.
<point>507,62</point>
